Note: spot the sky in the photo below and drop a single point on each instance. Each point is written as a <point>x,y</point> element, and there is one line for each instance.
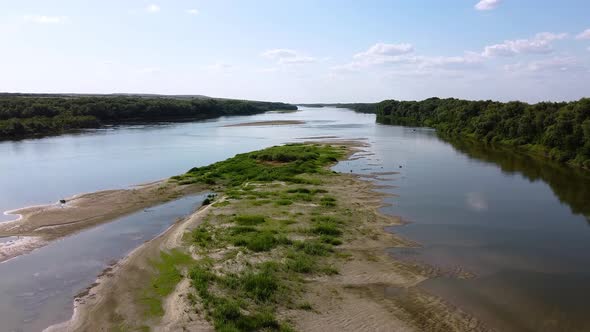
<point>299,51</point>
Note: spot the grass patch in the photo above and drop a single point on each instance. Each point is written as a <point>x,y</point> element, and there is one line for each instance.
<point>326,228</point>
<point>249,220</point>
<point>301,263</point>
<point>164,281</point>
<point>279,163</point>
<point>330,239</point>
<point>261,285</point>
<point>256,240</point>
<point>305,306</point>
<point>313,248</point>
<point>328,201</point>
<point>201,236</point>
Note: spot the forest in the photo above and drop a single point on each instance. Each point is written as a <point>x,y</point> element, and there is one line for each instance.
<point>24,116</point>
<point>558,130</point>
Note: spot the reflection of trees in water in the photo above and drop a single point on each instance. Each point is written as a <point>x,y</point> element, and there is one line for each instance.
<point>570,185</point>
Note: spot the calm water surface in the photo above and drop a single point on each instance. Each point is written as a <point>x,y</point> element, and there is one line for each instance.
<point>519,225</point>
<point>37,290</point>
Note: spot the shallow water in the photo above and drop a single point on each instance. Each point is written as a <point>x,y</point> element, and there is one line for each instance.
<point>37,289</point>
<point>518,224</point>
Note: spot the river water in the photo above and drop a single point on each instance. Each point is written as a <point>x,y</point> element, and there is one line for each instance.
<point>517,225</point>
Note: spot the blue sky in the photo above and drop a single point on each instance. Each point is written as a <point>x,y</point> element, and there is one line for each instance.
<point>300,51</point>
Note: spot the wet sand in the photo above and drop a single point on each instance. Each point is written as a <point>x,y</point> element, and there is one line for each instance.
<point>38,225</point>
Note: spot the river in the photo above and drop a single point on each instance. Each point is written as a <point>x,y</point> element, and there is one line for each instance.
<point>517,226</point>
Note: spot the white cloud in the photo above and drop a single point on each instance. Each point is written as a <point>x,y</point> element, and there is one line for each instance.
<point>539,44</point>
<point>153,8</point>
<point>467,61</point>
<point>551,65</point>
<point>42,19</point>
<point>287,56</point>
<point>382,53</point>
<point>584,34</point>
<point>192,11</point>
<point>382,49</point>
<point>487,4</point>
<point>400,56</point>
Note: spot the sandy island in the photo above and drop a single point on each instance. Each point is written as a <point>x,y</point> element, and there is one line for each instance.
<point>267,123</point>
<point>38,225</point>
<point>371,291</point>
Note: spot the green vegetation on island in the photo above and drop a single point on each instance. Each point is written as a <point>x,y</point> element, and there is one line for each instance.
<point>24,116</point>
<point>274,227</point>
<point>560,131</point>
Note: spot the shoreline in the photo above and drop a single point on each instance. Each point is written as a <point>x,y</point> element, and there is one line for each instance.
<point>40,225</point>
<point>96,294</point>
<point>362,283</point>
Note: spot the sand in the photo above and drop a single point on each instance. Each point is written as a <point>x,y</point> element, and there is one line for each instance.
<point>39,225</point>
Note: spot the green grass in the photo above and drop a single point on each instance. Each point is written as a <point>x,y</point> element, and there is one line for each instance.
<point>313,248</point>
<point>201,236</point>
<point>249,220</point>
<point>279,163</point>
<point>326,228</point>
<point>328,201</point>
<point>256,240</point>
<point>164,281</point>
<point>301,263</point>
<point>261,285</point>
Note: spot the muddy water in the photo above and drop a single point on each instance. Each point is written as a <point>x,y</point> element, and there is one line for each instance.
<point>518,225</point>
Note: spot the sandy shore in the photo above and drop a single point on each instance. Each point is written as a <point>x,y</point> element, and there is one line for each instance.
<point>267,123</point>
<point>371,292</point>
<point>112,296</point>
<point>38,225</point>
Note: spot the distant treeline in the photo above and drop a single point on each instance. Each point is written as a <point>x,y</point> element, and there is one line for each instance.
<point>26,116</point>
<point>357,107</point>
<point>560,131</point>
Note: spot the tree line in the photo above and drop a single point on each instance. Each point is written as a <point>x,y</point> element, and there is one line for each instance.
<point>560,131</point>
<point>29,116</point>
<point>357,107</point>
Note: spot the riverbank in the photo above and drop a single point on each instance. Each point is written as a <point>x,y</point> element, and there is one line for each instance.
<point>37,226</point>
<point>300,248</point>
